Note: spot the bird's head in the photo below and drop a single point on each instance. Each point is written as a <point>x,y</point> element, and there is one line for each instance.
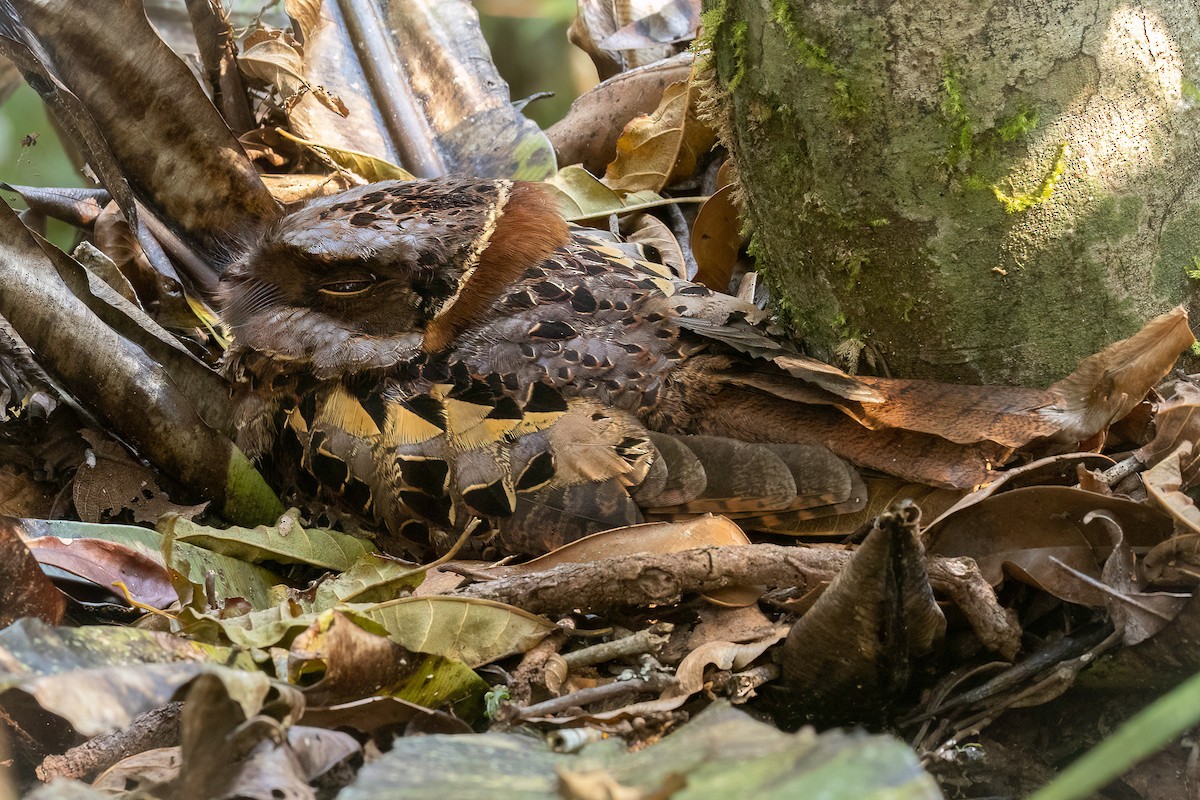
<point>376,275</point>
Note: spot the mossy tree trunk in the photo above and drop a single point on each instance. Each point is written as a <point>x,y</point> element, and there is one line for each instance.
<point>976,191</point>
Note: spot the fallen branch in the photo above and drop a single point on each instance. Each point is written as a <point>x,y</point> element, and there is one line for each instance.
<point>644,579</point>
<point>158,727</point>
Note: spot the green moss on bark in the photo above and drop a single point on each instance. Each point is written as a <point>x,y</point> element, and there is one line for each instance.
<point>982,214</point>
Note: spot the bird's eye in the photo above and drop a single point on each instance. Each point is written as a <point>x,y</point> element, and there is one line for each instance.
<point>347,288</point>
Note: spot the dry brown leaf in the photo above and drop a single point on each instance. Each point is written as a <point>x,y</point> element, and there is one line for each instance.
<point>1018,532</point>
<point>22,496</point>
<point>352,662</point>
<point>111,483</point>
<point>1057,470</point>
<point>278,61</point>
<point>853,651</point>
<point>306,14</point>
<point>596,20</point>
<point>1138,615</point>
<point>599,784</point>
<point>159,132</point>
<point>717,239</point>
<point>988,421</point>
<point>907,455</point>
<point>163,297</point>
<point>142,770</point>
<point>1175,562</point>
<point>1164,482</point>
<point>1106,386</point>
<point>661,147</point>
<point>724,655</point>
<point>588,134</point>
<point>298,187</point>
<point>717,624</point>
<point>652,537</point>
<point>651,232</point>
<point>675,21</point>
<point>266,146</point>
<point>1176,420</point>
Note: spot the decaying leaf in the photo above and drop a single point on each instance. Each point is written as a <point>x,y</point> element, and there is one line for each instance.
<point>106,564</point>
<point>337,660</point>
<point>1106,386</point>
<point>286,542</point>
<point>1164,483</point>
<point>298,187</point>
<point>110,483</point>
<point>277,60</point>
<point>721,748</point>
<point>476,632</point>
<point>656,149</point>
<point>1136,614</point>
<point>195,175</point>
<point>657,239</point>
<point>954,435</point>
<point>306,14</point>
<point>724,655</point>
<point>856,648</point>
<point>1019,532</point>
<point>23,496</point>
<point>98,678</point>
<point>588,134</point>
<point>596,20</point>
<point>1175,562</point>
<point>675,21</point>
<point>1176,420</point>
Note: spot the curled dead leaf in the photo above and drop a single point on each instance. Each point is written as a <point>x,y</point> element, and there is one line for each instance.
<point>1106,386</point>
<point>1164,483</point>
<point>656,149</point>
<point>660,243</point>
<point>588,134</point>
<point>854,650</point>
<point>1176,420</point>
<point>1019,532</point>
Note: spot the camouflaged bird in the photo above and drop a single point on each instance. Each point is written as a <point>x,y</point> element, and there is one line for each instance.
<point>430,352</point>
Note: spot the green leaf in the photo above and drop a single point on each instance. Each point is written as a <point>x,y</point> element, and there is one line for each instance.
<point>374,578</point>
<point>286,542</point>
<point>232,577</point>
<point>720,753</point>
<point>471,630</point>
<point>366,166</point>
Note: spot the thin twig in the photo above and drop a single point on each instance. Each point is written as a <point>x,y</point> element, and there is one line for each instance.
<point>647,640</point>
